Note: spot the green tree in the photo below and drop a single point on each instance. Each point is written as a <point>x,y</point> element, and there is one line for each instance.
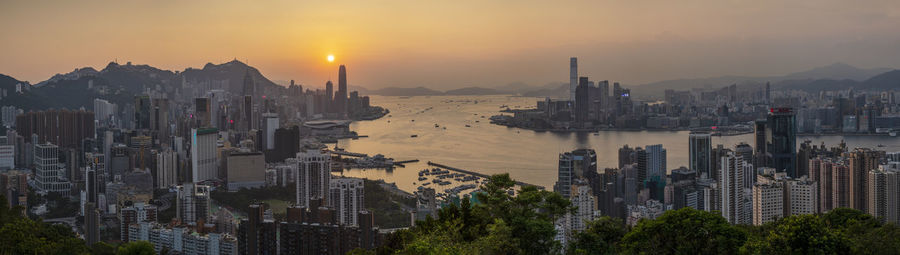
<point>136,248</point>
<point>684,231</point>
<point>601,237</point>
<point>102,248</point>
<point>800,234</point>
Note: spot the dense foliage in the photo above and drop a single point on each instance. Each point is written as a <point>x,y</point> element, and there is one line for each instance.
<point>21,235</point>
<point>523,224</point>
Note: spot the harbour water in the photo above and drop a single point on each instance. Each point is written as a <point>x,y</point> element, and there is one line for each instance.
<point>442,136</point>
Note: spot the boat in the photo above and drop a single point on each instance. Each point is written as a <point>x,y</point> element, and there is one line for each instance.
<point>414,136</point>
<point>436,125</point>
<point>423,178</point>
<point>467,125</point>
<point>426,184</point>
<point>881,145</point>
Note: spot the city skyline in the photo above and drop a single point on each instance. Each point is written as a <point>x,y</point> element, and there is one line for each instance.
<point>499,43</point>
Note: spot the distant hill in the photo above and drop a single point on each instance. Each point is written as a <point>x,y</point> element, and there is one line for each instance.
<point>120,83</point>
<point>473,91</point>
<point>837,75</point>
<point>393,91</point>
<point>884,81</point>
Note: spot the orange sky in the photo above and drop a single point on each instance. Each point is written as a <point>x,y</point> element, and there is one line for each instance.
<point>450,44</point>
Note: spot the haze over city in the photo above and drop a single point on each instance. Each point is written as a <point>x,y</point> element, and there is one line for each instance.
<point>452,44</point>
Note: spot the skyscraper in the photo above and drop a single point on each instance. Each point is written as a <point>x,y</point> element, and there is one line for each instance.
<point>346,196</point>
<point>781,140</point>
<point>884,195</point>
<point>840,186</point>
<point>862,160</point>
<point>340,98</point>
<point>313,177</point>
<point>203,154</point>
<point>573,77</point>
<point>731,179</point>
<point>582,102</point>
<point>701,153</point>
<point>768,202</point>
<point>581,163</point>
<point>656,162</point>
<point>329,97</point>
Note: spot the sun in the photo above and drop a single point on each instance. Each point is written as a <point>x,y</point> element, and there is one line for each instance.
<point>330,58</point>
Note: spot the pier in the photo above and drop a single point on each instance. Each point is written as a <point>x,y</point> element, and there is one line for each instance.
<point>477,174</point>
<point>350,154</point>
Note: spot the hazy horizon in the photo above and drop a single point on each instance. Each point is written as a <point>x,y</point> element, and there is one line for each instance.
<point>453,45</point>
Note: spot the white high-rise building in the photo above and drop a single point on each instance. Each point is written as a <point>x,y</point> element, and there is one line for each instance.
<point>9,115</point>
<point>573,77</point>
<point>656,162</point>
<point>884,194</point>
<point>347,199</point>
<point>166,174</point>
<point>586,206</point>
<point>48,173</point>
<point>768,202</point>
<point>270,124</point>
<point>103,111</point>
<point>731,185</point>
<point>203,154</point>
<point>802,197</point>
<point>313,176</point>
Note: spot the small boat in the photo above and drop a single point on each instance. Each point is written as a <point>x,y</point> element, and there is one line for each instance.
<point>436,125</point>
<point>881,145</point>
<point>414,136</point>
<point>412,120</point>
<point>445,127</point>
<point>467,125</point>
<point>422,178</point>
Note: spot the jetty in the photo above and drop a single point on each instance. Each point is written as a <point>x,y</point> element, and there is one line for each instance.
<point>520,183</point>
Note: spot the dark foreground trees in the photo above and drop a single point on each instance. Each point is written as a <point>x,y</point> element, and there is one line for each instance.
<point>523,224</point>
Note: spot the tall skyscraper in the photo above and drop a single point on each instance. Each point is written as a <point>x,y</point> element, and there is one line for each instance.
<point>781,140</point>
<point>656,162</point>
<point>760,144</point>
<point>862,160</point>
<point>732,200</point>
<point>270,124</point>
<point>582,102</point>
<point>142,112</point>
<point>91,223</point>
<point>884,195</point>
<point>202,115</point>
<point>313,177</point>
<point>203,154</point>
<point>346,196</point>
<point>573,77</point>
<point>840,186</point>
<point>329,97</point>
<point>701,153</point>
<point>340,98</point>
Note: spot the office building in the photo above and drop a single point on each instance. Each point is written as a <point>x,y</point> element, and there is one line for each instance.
<point>203,154</point>
<point>49,176</point>
<point>581,163</point>
<point>781,141</point>
<point>340,97</point>
<point>701,153</point>
<point>656,162</point>
<point>141,111</point>
<point>91,223</point>
<point>270,124</point>
<point>585,202</point>
<point>245,170</point>
<point>802,196</point>
<point>313,176</point>
<point>346,195</point>
<point>573,77</point>
<point>193,203</point>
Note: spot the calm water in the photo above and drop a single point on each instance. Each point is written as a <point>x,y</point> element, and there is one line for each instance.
<point>527,155</point>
